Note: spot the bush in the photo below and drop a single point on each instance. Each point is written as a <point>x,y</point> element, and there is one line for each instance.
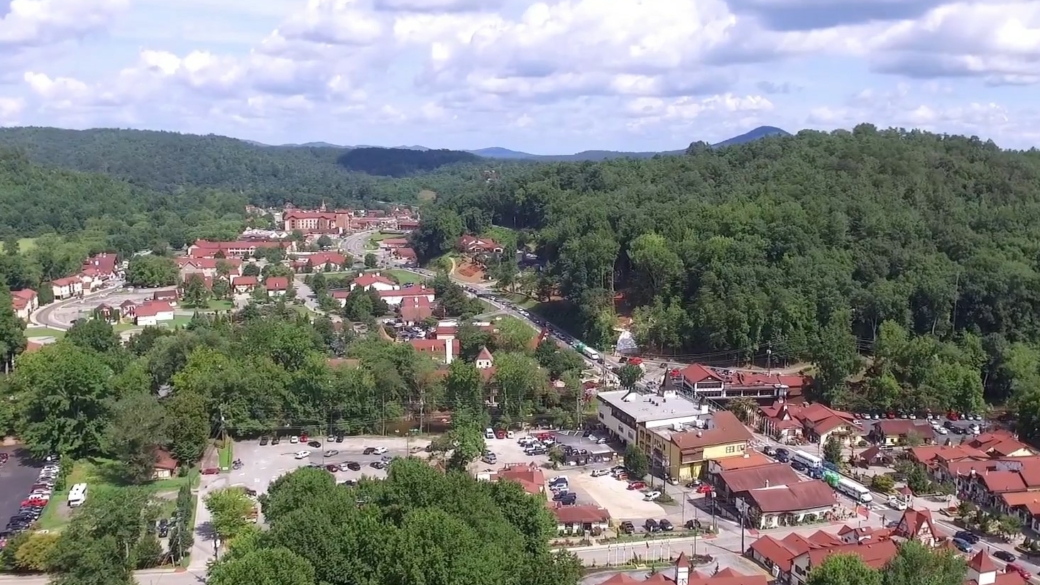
<point>882,483</point>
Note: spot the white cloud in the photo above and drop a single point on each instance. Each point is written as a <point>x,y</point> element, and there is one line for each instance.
<point>573,71</point>
<point>10,109</point>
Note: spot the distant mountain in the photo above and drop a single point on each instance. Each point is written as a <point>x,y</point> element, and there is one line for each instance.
<point>498,152</point>
<point>756,134</point>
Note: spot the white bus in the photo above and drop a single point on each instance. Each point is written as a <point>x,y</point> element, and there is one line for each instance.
<point>810,461</point>
<point>77,495</point>
<point>854,490</point>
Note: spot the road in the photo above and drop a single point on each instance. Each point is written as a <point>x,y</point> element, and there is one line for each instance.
<point>44,316</point>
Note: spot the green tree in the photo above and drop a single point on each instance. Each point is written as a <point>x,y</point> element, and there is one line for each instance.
<point>135,431</point>
<point>882,483</point>
<point>229,509</point>
<point>636,461</point>
<point>12,330</point>
<point>33,555</point>
<point>151,271</point>
<point>66,392</point>
<point>843,569</point>
<point>277,566</point>
<point>832,451</point>
<point>513,335</point>
<point>629,375</point>
<point>464,388</point>
<point>916,564</point>
<point>742,408</point>
<point>370,260</point>
<point>194,292</point>
<point>94,334</point>
<point>519,381</point>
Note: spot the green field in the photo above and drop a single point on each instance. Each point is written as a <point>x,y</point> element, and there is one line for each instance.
<point>26,245</point>
<point>406,277</point>
<point>226,456</point>
<point>44,332</point>
<point>101,475</point>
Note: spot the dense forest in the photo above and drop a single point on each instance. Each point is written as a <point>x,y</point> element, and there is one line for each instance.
<point>401,162</point>
<point>796,248</point>
<point>169,162</point>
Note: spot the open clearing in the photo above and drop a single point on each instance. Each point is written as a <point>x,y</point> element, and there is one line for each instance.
<point>44,332</point>
<point>406,277</point>
<point>26,245</point>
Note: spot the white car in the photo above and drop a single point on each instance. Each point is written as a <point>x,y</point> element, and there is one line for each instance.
<point>331,453</point>
<point>380,450</point>
<point>600,472</point>
<point>942,431</point>
<point>302,454</point>
<point>294,439</point>
<point>651,496</point>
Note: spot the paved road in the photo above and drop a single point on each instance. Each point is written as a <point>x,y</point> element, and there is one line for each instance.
<point>44,316</point>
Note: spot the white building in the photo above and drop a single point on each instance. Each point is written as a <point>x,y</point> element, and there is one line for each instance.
<point>624,412</point>
<point>394,298</point>
<point>153,312</point>
<point>374,280</point>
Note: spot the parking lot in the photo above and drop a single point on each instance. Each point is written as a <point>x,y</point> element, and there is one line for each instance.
<point>262,464</point>
<point>17,475</point>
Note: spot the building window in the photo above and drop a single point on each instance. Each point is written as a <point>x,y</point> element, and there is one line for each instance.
<point>731,449</point>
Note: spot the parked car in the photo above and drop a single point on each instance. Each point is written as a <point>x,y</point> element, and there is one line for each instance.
<point>1012,567</point>
<point>275,440</point>
<point>651,525</point>
<point>962,546</point>
<point>302,454</point>
<point>560,495</point>
<point>315,444</point>
<point>353,466</point>
<point>339,438</point>
<point>378,465</point>
<point>637,485</point>
<point>332,468</point>
<point>331,453</point>
<point>569,499</point>
<point>626,527</point>
<point>368,451</point>
<point>600,472</point>
<point>969,537</point>
<point>1004,556</point>
<point>264,440</point>
<point>294,439</point>
<point>666,525</point>
<point>380,450</point>
<point>651,496</point>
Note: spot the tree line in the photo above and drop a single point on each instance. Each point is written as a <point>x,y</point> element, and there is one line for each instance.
<point>262,370</point>
<point>787,249</point>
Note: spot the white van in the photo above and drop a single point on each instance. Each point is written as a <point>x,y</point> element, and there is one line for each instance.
<point>77,495</point>
<point>489,433</point>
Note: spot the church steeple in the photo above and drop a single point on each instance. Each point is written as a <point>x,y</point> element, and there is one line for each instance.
<point>682,570</point>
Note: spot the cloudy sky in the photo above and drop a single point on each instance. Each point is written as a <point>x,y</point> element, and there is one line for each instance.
<point>545,77</point>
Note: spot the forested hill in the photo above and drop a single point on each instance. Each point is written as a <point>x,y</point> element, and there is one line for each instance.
<point>267,175</point>
<point>800,245</point>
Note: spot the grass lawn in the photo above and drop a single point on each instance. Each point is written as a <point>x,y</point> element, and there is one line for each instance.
<point>215,305</point>
<point>26,245</point>
<point>405,277</point>
<point>44,332</point>
<point>101,475</point>
<point>226,456</point>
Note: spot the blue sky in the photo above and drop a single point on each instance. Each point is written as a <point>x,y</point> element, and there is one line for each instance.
<point>545,77</point>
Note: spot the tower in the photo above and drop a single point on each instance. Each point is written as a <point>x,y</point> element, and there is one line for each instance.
<point>982,569</point>
<point>682,571</point>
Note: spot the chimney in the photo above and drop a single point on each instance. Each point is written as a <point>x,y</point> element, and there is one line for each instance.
<point>448,346</point>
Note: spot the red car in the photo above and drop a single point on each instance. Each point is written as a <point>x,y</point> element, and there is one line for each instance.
<point>211,471</point>
<point>636,485</point>
<point>704,489</point>
<point>303,438</point>
<point>1017,569</point>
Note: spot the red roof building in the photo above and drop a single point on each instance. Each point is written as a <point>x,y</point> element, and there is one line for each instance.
<point>323,260</point>
<point>530,477</point>
<point>276,284</point>
<point>444,350</point>
<point>415,309</point>
<point>238,249</point>
<point>721,384</point>
<point>783,420</point>
<point>374,280</point>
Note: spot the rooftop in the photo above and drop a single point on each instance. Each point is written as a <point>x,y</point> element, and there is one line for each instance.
<point>651,407</point>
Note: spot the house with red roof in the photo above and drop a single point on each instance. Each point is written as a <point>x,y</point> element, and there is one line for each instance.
<point>415,310</point>
<point>721,384</point>
<point>66,288</point>
<point>24,302</point>
<point>244,284</point>
<point>395,297</point>
<point>153,313</point>
<point>238,249</point>
<point>816,422</point>
<point>311,222</point>
<point>276,286</point>
<point>321,262</point>
<point>982,570</point>
<point>443,350</point>
<point>208,267</point>
<point>917,525</point>
<point>1001,443</point>
<point>803,500</point>
<point>530,477</point>
<point>580,519</point>
<point>407,225</point>
<point>375,280</point>
<point>468,244</point>
<point>892,432</point>
<point>103,266</point>
<point>407,255</point>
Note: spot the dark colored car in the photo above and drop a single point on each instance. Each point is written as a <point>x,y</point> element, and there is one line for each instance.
<point>339,438</point>
<point>666,525</point>
<point>332,467</point>
<point>354,466</point>
<point>560,495</point>
<point>1004,556</point>
<point>264,440</point>
<point>651,525</point>
<point>967,537</point>
<point>378,465</point>
<point>369,451</point>
<point>569,499</point>
<point>275,440</point>
<point>627,527</point>
<point>315,444</point>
